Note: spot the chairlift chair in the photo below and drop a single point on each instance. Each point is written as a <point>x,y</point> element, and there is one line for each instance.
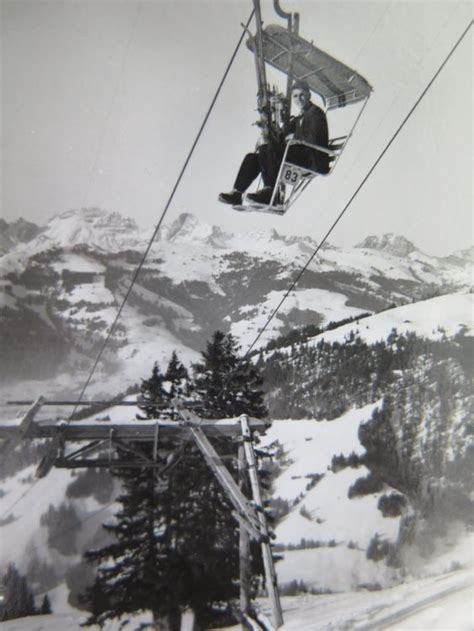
<point>335,83</point>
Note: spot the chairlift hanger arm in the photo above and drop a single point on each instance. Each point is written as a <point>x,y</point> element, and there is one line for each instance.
<point>293,19</point>
<point>259,58</point>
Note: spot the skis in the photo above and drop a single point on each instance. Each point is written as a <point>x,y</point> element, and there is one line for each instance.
<point>253,207</point>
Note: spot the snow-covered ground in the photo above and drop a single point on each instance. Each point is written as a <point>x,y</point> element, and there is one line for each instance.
<point>442,603</point>
<point>337,530</point>
<point>25,499</point>
<point>433,318</point>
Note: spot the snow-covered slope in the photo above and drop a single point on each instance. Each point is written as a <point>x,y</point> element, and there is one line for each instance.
<point>440,603</point>
<point>24,500</point>
<point>336,530</point>
<point>433,318</point>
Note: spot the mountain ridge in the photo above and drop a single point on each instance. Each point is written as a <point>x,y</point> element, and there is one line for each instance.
<point>185,227</point>
<point>60,292</point>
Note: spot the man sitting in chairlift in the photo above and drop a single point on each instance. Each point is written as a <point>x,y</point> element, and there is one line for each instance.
<point>309,125</point>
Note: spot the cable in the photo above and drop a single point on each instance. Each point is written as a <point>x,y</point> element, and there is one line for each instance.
<point>375,28</point>
<point>341,214</point>
<point>18,500</point>
<point>40,546</point>
<point>355,159</point>
<point>175,187</point>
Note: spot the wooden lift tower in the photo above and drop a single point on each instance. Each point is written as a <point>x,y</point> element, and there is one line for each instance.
<point>104,442</point>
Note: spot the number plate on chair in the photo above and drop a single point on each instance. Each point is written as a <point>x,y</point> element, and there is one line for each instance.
<point>291,174</point>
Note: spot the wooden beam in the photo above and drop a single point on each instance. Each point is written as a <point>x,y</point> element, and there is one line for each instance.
<point>25,425</point>
<point>246,513</point>
<point>104,463</point>
<point>270,574</point>
<point>244,548</point>
<point>234,494</point>
<point>142,430</point>
<point>82,403</point>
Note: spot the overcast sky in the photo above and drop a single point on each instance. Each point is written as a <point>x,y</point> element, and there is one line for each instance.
<point>101,102</point>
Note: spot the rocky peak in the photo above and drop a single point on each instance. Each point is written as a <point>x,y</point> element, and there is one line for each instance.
<point>19,231</point>
<point>89,226</point>
<point>467,254</point>
<point>23,231</point>
<point>390,243</point>
<point>187,227</point>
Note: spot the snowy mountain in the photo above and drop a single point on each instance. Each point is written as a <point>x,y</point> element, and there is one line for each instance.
<point>20,231</point>
<point>390,243</point>
<point>61,292</point>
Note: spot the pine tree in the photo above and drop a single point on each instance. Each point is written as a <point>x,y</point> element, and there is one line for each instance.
<point>176,378</point>
<point>45,606</point>
<point>134,571</point>
<point>18,600</point>
<point>225,384</point>
<point>152,394</point>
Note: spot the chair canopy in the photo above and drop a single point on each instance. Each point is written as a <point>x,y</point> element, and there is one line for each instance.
<point>337,84</point>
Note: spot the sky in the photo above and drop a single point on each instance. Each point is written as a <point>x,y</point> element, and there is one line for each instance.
<point>102,100</point>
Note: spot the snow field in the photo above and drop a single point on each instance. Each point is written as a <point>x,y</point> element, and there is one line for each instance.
<point>324,514</point>
<point>28,501</point>
<point>94,293</point>
<point>332,307</point>
<point>433,318</point>
<point>442,604</point>
<point>74,262</point>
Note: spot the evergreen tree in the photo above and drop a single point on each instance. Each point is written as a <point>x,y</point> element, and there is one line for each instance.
<point>177,546</point>
<point>63,527</point>
<point>226,385</point>
<point>134,571</point>
<point>45,606</point>
<point>152,393</point>
<point>18,600</point>
<point>176,378</point>
<point>131,571</point>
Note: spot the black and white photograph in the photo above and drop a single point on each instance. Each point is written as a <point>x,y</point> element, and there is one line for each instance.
<point>236,315</point>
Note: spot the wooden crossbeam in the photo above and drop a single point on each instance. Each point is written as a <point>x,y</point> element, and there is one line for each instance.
<point>140,430</point>
<point>105,463</point>
<point>27,420</point>
<point>270,573</point>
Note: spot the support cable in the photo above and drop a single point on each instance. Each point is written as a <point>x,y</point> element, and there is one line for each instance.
<point>165,210</point>
<point>18,500</point>
<point>344,210</point>
<point>372,33</point>
<point>373,134</point>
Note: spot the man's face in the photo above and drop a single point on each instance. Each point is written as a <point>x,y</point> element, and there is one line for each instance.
<point>300,98</point>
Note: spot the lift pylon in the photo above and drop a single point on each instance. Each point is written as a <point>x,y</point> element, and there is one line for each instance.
<point>107,442</point>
